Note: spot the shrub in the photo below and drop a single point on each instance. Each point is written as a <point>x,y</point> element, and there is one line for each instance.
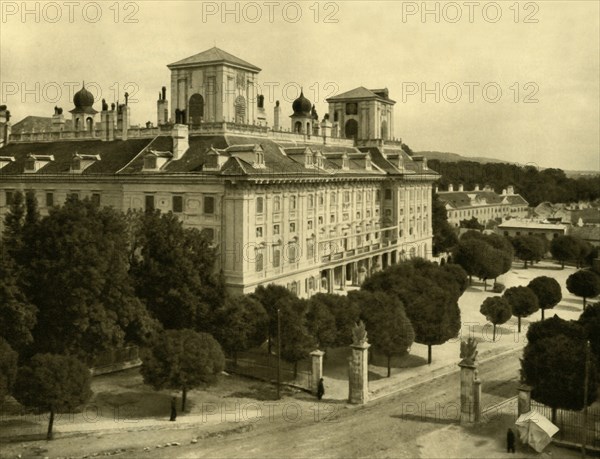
<point>498,287</point>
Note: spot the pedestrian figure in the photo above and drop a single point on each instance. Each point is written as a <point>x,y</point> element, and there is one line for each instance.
<point>173,409</point>
<point>510,441</point>
<point>320,389</point>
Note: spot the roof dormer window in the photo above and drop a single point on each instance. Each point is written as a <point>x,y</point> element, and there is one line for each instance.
<point>5,160</point>
<point>34,163</point>
<point>79,163</point>
<point>155,160</point>
<point>259,159</point>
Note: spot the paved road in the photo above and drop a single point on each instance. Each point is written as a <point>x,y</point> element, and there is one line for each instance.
<point>389,427</point>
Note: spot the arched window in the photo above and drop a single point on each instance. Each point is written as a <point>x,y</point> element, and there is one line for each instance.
<point>311,201</point>
<point>292,202</point>
<point>351,129</point>
<point>196,109</point>
<point>89,124</point>
<point>384,130</point>
<point>298,127</point>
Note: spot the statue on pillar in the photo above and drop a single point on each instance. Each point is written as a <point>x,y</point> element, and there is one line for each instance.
<point>104,105</point>
<point>468,351</point>
<point>359,334</point>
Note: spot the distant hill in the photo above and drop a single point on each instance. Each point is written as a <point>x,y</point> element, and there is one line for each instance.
<point>455,157</point>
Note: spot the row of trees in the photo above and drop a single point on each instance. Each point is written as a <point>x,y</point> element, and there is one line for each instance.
<point>554,364</point>
<point>535,185</point>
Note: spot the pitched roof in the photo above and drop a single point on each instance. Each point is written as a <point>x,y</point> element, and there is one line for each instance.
<point>37,124</point>
<point>214,56</point>
<point>359,93</point>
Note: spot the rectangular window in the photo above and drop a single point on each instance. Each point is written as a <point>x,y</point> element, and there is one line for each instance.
<point>259,231</point>
<point>310,249</point>
<point>49,199</point>
<point>149,202</point>
<point>74,195</point>
<point>177,204</point>
<point>320,220</point>
<point>259,205</point>
<point>276,256</point>
<point>309,224</point>
<point>292,227</point>
<point>209,205</point>
<point>346,197</point>
<point>96,199</point>
<point>332,218</point>
<point>388,194</point>
<point>259,260</point>
<point>275,230</point>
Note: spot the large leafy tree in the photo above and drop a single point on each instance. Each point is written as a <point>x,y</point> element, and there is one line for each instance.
<point>430,296</point>
<point>496,310</point>
<point>8,369</point>
<point>240,324</point>
<point>473,223</point>
<point>268,296</point>
<point>12,235</point>
<point>565,248</point>
<point>296,340</point>
<point>54,383</point>
<point>321,322</point>
<point>528,249</point>
<point>555,368</point>
<point>17,314</point>
<point>80,284</point>
<point>523,302</point>
<point>344,312</point>
<point>547,290</point>
<point>182,360</point>
<point>468,255</point>
<point>590,320</point>
<point>484,256</point>
<point>444,236</point>
<point>390,330</point>
<point>584,283</point>
<point>174,271</point>
<point>554,326</point>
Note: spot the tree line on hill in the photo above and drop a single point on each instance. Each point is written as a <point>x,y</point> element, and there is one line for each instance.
<point>83,280</point>
<point>534,184</point>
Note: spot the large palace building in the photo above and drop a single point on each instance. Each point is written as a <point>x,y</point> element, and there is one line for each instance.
<point>314,205</point>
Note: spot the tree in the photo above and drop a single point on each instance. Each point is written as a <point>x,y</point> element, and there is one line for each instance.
<point>552,327</point>
<point>489,264</point>
<point>296,341</point>
<point>584,283</point>
<point>268,296</point>
<point>80,284</point>
<point>12,236</point>
<point>430,296</point>
<point>564,248</point>
<point>17,314</point>
<point>444,236</point>
<point>590,320</point>
<point>54,383</point>
<point>390,330</point>
<point>458,274</point>
<point>473,223</point>
<point>182,360</point>
<point>321,323</point>
<point>496,310</point>
<point>555,368</point>
<point>8,369</point>
<point>344,312</point>
<point>528,248</point>
<point>174,272</point>
<point>547,290</point>
<point>240,324</point>
<point>505,248</point>
<point>468,255</point>
<point>522,301</point>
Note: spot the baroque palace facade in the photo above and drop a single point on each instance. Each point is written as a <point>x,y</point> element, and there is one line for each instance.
<point>314,206</point>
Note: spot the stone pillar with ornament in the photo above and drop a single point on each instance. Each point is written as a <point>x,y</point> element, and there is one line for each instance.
<point>524,399</point>
<point>470,385</point>
<point>317,369</point>
<point>358,366</point>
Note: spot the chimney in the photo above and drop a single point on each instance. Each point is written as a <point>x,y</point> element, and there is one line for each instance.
<point>162,107</point>
<point>450,187</point>
<point>437,189</point>
<point>461,187</point>
<point>276,117</point>
<point>476,188</point>
<point>5,126</point>
<point>58,120</point>
<point>107,122</point>
<point>123,120</point>
<point>510,190</point>
<point>181,142</point>
<point>504,192</point>
<point>326,127</point>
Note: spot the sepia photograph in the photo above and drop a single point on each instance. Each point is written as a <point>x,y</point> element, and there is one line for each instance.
<point>300,229</point>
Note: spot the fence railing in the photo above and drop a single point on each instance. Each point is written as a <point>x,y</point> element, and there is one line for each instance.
<point>570,424</point>
<point>263,365</point>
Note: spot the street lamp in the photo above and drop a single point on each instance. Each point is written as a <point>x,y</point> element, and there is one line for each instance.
<point>278,354</point>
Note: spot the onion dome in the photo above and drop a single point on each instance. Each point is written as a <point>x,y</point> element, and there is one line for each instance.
<point>302,106</point>
<point>83,98</point>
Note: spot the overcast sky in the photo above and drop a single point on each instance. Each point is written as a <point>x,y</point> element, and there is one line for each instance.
<point>542,56</point>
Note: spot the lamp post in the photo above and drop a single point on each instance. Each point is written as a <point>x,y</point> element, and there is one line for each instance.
<point>278,354</point>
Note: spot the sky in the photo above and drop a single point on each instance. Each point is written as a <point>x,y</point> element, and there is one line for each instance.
<point>518,81</point>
